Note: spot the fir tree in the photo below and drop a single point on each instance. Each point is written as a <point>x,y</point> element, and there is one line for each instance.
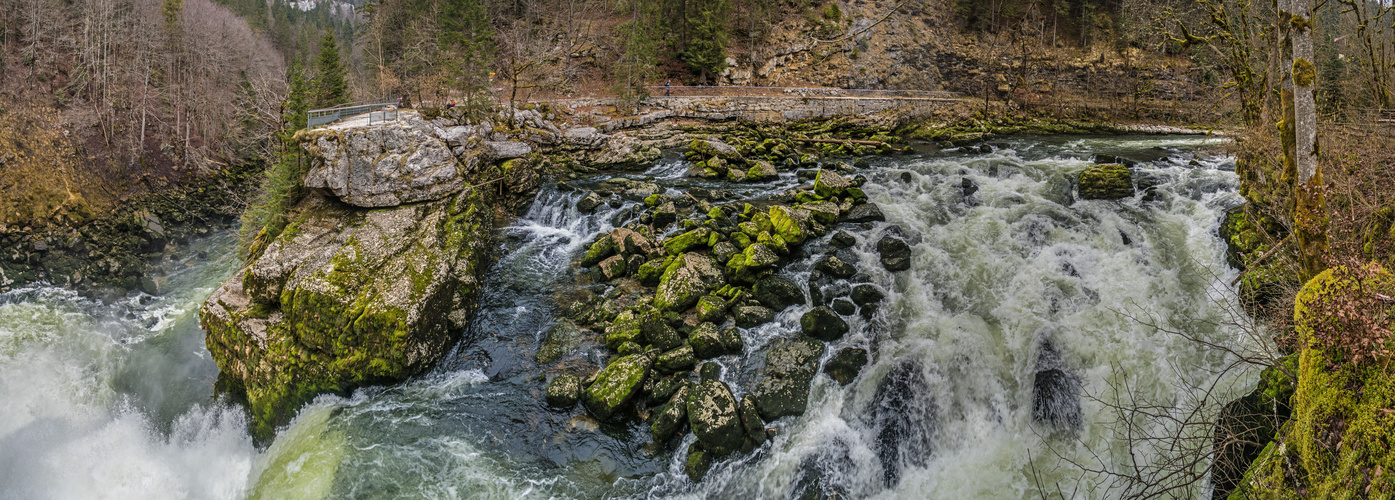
<point>465,40</point>
<point>330,88</point>
<point>706,51</point>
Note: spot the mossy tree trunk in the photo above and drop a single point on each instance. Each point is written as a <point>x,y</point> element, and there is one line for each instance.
<point>1299,133</point>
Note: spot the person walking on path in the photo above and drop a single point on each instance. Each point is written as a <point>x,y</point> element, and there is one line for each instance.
<point>668,87</point>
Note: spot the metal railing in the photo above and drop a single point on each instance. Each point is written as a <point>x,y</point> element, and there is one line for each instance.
<point>757,91</point>
<point>318,117</point>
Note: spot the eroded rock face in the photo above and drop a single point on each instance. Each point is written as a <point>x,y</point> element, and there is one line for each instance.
<point>388,165</point>
<point>346,297</point>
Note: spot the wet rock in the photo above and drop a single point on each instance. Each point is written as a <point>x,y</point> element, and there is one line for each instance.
<point>750,420</point>
<point>867,295</point>
<point>696,238</point>
<point>711,309</point>
<point>1106,182</point>
<point>706,342</point>
<point>746,266</point>
<point>670,417</point>
<point>666,387</point>
<point>713,417</point>
<point>824,212</point>
<point>723,251</point>
<point>649,273</point>
<point>895,253</point>
<point>835,267</point>
<point>613,267</point>
<point>824,324</point>
<point>782,388</point>
<point>710,147</point>
<point>676,360</point>
<point>907,177</point>
<point>697,464</point>
<point>563,391</point>
<point>778,293</point>
<point>866,212</point>
<point>602,249</point>
<point>1108,158</point>
<point>752,316</point>
<point>731,340</point>
<point>558,341</point>
<point>828,184</point>
<point>664,215</point>
<point>1055,392</point>
<point>761,172</point>
<point>688,278</point>
<point>630,242</point>
<point>967,187</point>
<point>843,307</point>
<point>902,419</point>
<point>616,385</point>
<point>846,364</point>
<point>710,371</point>
<point>626,327</point>
<point>985,148</point>
<point>843,239</point>
<point>658,333</point>
<point>790,224</point>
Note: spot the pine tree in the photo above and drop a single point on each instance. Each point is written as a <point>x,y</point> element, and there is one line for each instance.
<point>706,51</point>
<point>465,40</point>
<point>295,108</point>
<point>330,88</point>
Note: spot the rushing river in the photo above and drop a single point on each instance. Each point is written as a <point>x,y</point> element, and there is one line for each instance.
<point>114,399</point>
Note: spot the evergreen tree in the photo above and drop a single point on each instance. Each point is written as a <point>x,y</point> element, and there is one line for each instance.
<point>296,106</point>
<point>330,88</point>
<point>706,51</point>
<point>465,40</point>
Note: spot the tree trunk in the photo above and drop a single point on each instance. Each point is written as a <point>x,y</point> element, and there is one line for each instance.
<point>1299,133</point>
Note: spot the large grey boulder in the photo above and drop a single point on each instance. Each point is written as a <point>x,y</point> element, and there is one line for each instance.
<point>385,165</point>
<point>783,385</point>
<point>712,414</point>
<point>687,279</point>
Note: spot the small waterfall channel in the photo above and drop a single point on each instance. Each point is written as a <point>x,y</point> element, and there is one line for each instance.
<point>1009,281</point>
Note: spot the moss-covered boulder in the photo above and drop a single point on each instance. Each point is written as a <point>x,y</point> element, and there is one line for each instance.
<point>602,249</point>
<point>823,323</point>
<point>825,212</point>
<point>828,184</point>
<point>1341,424</point>
<point>706,341</point>
<point>563,391</point>
<point>846,364</point>
<point>670,417</point>
<point>762,171</point>
<point>778,293</point>
<point>346,297</point>
<point>616,385</point>
<point>782,388</point>
<point>690,240</point>
<point>711,309</point>
<point>1109,181</point>
<point>676,360</point>
<point>688,278</point>
<point>613,267</point>
<point>626,327</point>
<point>711,147</point>
<point>791,224</point>
<point>752,316</point>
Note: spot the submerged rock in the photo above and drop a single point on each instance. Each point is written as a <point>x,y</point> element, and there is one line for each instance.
<point>867,212</point>
<point>835,267</point>
<point>902,417</point>
<point>1106,182</point>
<point>783,385</point>
<point>818,476</point>
<point>697,464</point>
<point>616,385</point>
<point>846,364</point>
<point>1055,392</point>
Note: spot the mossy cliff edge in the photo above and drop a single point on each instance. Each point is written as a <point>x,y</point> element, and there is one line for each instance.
<point>351,295</point>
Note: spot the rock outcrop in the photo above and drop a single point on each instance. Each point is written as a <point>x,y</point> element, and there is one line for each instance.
<point>370,281</point>
<point>1109,181</point>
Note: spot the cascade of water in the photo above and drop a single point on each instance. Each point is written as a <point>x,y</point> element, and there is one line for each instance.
<point>983,357</point>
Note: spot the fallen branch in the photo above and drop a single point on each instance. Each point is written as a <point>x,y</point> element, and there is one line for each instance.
<point>1264,257</point>
<point>879,144</point>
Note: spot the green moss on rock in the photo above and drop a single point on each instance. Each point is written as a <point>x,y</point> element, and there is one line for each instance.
<point>1109,181</point>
